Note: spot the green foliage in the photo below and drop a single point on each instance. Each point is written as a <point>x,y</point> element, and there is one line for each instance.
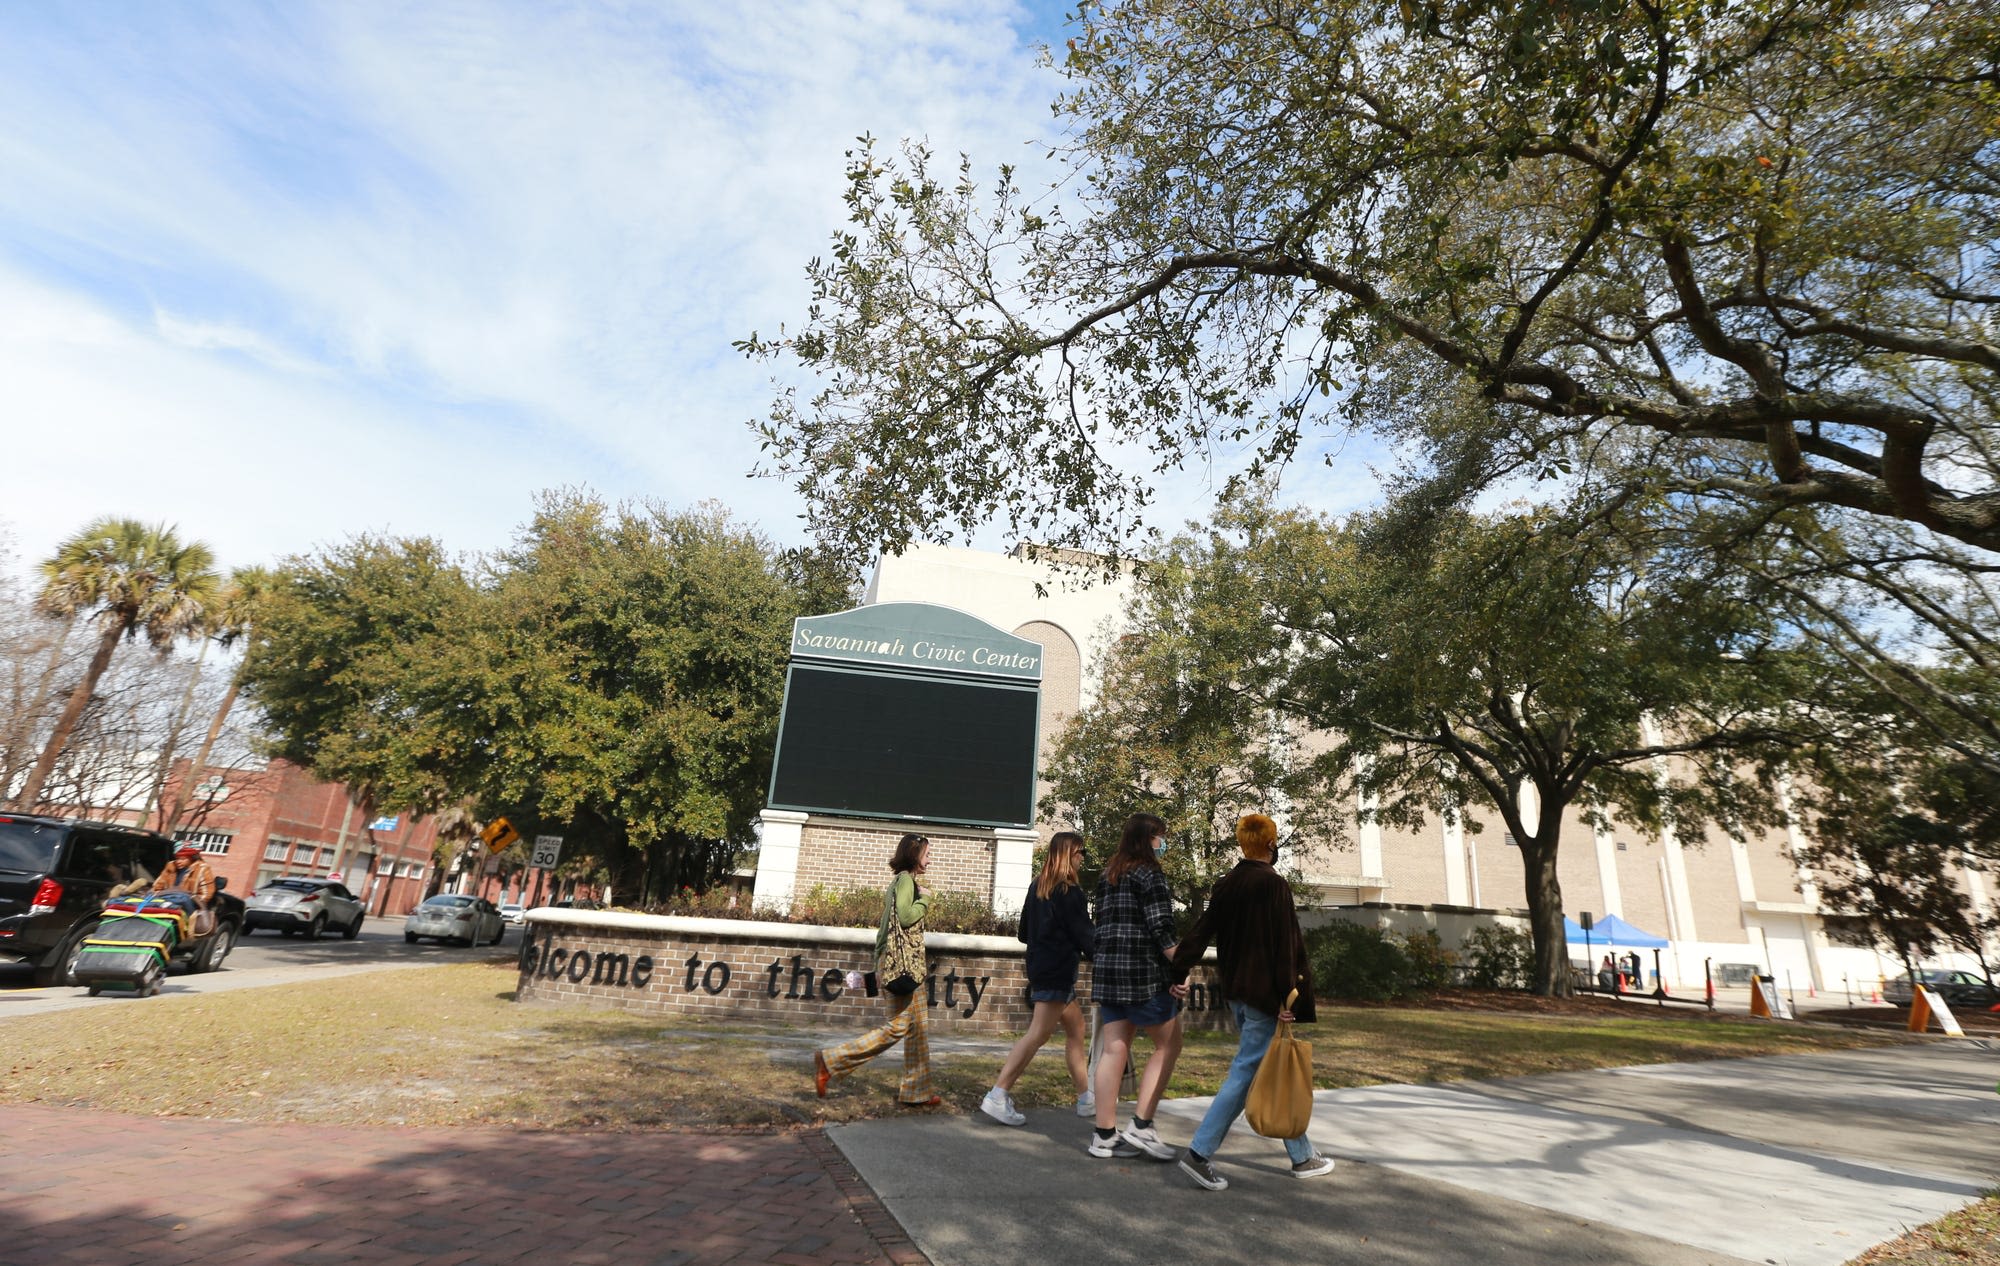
<point>1355,961</point>
<point>1432,966</point>
<point>1754,230</point>
<point>1498,957</point>
<point>615,678</point>
<point>825,906</point>
<point>1187,721</point>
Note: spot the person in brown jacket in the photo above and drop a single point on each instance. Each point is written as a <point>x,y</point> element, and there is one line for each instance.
<point>1260,958</point>
<point>190,872</point>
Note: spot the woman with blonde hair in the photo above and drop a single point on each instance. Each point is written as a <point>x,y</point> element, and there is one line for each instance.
<point>1055,926</point>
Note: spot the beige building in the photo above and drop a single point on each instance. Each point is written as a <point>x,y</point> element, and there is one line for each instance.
<point>1718,900</point>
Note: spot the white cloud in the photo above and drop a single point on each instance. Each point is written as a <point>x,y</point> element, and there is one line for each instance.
<point>284,276</point>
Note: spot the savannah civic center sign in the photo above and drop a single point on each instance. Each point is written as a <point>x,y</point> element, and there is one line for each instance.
<point>909,711</point>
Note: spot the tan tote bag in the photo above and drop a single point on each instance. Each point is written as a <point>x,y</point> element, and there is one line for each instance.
<point>1281,1096</point>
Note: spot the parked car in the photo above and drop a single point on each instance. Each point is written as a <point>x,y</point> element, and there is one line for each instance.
<point>305,907</point>
<point>55,875</point>
<point>456,916</point>
<point>1958,988</point>
<point>514,912</point>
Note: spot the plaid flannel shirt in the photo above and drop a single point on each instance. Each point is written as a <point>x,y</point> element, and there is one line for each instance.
<point>1134,935</point>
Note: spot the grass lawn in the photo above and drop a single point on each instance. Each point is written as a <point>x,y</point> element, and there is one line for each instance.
<point>1970,1237</point>
<point>447,1045</point>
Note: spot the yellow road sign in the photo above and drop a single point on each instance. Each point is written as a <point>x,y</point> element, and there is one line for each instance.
<point>499,833</point>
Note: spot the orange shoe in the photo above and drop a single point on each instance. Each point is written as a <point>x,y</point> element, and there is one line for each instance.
<point>821,1074</point>
<point>931,1102</point>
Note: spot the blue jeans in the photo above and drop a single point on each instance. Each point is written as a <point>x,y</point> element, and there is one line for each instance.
<point>1257,1029</point>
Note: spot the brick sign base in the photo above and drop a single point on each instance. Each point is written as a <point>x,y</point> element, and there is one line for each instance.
<point>783,972</point>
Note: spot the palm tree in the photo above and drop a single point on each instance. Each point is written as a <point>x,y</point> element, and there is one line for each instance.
<point>235,615</point>
<point>130,578</point>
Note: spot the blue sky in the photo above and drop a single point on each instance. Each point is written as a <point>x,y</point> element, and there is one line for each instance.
<point>284,272</point>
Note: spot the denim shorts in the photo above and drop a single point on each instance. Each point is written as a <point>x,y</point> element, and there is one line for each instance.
<point>1052,995</point>
<point>1158,1009</point>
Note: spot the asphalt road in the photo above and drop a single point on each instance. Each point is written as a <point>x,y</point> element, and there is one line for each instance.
<point>264,958</point>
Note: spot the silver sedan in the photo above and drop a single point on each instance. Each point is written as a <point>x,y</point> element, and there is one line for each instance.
<point>304,907</point>
<point>458,917</point>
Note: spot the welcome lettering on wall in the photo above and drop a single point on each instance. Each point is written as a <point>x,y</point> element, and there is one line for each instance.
<point>793,978</point>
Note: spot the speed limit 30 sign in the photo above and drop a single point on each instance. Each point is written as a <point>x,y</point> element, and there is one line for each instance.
<point>547,850</point>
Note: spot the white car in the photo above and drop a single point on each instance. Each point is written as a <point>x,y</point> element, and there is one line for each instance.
<point>514,912</point>
<point>458,917</point>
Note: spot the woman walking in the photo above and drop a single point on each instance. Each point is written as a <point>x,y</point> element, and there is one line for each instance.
<point>1055,926</point>
<point>899,966</point>
<point>1134,985</point>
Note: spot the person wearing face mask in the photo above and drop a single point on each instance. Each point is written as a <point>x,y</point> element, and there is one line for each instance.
<point>1132,981</point>
<point>1260,958</point>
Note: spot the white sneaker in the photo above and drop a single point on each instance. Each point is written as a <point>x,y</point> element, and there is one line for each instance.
<point>1147,1141</point>
<point>1112,1147</point>
<point>1086,1104</point>
<point>999,1105</point>
<point>1313,1166</point>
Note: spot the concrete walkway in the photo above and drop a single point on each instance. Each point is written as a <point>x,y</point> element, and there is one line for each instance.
<point>1795,1161</point>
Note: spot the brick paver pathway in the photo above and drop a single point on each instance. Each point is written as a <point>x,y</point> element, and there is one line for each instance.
<point>98,1189</point>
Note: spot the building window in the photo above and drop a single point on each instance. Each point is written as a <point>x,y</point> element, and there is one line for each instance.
<point>275,850</point>
<point>410,870</point>
<point>214,843</point>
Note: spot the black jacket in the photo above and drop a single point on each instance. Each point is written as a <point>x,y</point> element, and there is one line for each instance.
<point>1056,930</point>
<point>1260,952</point>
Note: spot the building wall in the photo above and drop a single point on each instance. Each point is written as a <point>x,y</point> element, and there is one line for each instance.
<point>854,853</point>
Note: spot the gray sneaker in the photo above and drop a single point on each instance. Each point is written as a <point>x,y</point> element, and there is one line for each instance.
<point>1313,1167</point>
<point>1086,1104</point>
<point>1202,1172</point>
<point>1113,1147</point>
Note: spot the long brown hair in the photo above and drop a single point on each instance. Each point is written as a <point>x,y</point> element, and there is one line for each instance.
<point>1059,865</point>
<point>1135,847</point>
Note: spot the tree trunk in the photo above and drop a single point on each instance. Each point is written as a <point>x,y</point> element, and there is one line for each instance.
<point>79,698</point>
<point>201,757</point>
<point>173,743</point>
<point>30,717</point>
<point>1545,905</point>
<point>340,841</point>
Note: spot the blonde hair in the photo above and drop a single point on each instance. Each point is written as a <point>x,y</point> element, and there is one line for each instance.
<point>1059,865</point>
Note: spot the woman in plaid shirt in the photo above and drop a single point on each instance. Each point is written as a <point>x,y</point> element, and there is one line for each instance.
<point>1133,982</point>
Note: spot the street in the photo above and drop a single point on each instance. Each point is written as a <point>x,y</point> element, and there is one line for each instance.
<point>263,958</point>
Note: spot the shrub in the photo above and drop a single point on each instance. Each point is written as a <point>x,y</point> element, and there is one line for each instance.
<point>1432,966</point>
<point>1350,960</point>
<point>1498,957</point>
<point>825,906</point>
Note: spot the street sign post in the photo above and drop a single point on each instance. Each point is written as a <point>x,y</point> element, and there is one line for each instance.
<point>547,851</point>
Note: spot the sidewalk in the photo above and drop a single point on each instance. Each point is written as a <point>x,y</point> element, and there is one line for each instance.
<point>1789,1161</point>
<point>96,1189</point>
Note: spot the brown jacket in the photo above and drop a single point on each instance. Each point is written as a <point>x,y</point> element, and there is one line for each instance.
<point>1260,952</point>
<point>200,881</point>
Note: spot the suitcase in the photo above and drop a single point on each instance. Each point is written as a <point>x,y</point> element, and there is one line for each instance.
<point>127,954</point>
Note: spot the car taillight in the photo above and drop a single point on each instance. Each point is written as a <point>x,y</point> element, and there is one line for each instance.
<point>311,896</point>
<point>48,895</point>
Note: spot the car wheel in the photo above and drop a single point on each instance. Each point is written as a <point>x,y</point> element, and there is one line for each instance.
<point>220,942</point>
<point>411,937</point>
<point>352,930</point>
<point>60,968</point>
<point>315,929</point>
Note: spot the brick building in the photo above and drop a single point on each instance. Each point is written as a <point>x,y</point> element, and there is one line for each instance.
<point>262,823</point>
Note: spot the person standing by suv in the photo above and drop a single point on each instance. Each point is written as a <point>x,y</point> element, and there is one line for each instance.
<point>190,872</point>
<point>1260,958</point>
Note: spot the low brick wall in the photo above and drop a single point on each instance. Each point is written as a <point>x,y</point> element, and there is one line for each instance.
<point>782,972</point>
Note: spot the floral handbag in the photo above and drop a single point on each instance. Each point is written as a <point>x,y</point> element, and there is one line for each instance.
<point>901,965</point>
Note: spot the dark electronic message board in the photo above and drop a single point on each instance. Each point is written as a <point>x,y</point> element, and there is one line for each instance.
<point>910,711</point>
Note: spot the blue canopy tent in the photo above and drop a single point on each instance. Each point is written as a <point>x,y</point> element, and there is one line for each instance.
<point>1612,932</point>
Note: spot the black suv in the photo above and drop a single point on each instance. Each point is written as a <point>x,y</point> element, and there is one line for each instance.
<point>55,874</point>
